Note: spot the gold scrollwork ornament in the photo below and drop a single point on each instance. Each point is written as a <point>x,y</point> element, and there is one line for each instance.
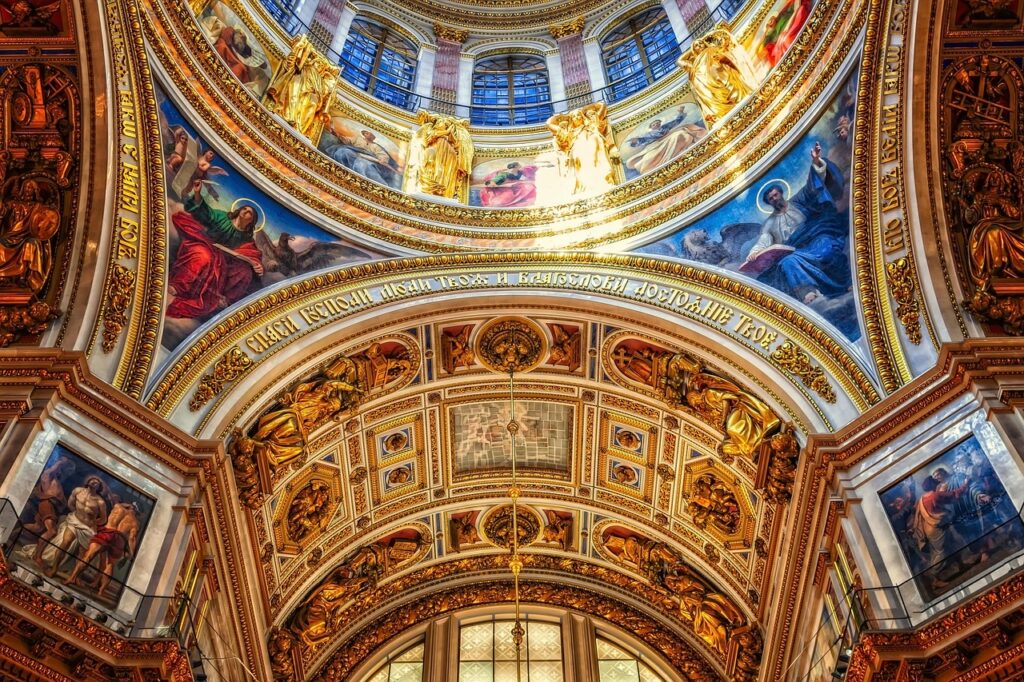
<point>229,367</point>
<point>119,296</point>
<point>790,358</point>
<point>902,286</point>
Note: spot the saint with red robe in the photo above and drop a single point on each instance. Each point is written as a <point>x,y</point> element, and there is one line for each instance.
<point>217,262</point>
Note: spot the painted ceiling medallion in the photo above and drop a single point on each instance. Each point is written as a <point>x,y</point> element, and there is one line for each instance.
<point>510,344</point>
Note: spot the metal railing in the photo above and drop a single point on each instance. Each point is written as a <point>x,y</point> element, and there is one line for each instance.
<point>406,98</point>
<point>907,606</point>
<point>66,578</point>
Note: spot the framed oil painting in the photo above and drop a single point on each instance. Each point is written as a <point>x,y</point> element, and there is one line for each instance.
<point>953,519</point>
<point>82,526</point>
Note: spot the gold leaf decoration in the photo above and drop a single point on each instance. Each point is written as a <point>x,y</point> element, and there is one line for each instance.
<point>792,359</point>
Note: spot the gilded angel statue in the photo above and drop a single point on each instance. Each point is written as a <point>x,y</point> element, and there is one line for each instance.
<point>440,157</point>
<point>585,149</point>
<point>302,89</point>
<point>720,74</point>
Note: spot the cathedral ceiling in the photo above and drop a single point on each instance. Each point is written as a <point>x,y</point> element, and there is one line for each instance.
<point>393,450</point>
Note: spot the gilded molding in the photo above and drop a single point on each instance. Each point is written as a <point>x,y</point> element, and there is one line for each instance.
<point>450,33</point>
<point>119,296</point>
<point>824,349</point>
<point>559,31</point>
<point>230,366</point>
<point>791,358</point>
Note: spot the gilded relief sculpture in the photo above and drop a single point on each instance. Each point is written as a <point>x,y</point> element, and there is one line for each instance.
<point>710,501</point>
<point>280,435</point>
<point>440,157</point>
<point>711,614</point>
<point>37,151</point>
<point>720,74</point>
<point>303,87</point>
<point>585,149</point>
<point>309,511</point>
<point>317,618</point>
<point>750,428</point>
<point>985,159</point>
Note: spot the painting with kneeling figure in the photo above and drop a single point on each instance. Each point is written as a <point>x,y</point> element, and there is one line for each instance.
<point>82,527</point>
<point>953,518</point>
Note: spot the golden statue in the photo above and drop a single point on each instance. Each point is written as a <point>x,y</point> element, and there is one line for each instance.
<point>746,420</point>
<point>996,243</point>
<point>712,615</point>
<point>585,149</point>
<point>302,89</point>
<point>280,436</point>
<point>29,219</point>
<point>309,510</point>
<point>440,157</point>
<point>720,74</point>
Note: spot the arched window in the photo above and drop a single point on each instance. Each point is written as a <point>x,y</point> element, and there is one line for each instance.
<point>381,61</point>
<point>283,12</point>
<point>487,652</point>
<point>405,667</point>
<point>511,89</point>
<point>638,52</point>
<point>615,664</point>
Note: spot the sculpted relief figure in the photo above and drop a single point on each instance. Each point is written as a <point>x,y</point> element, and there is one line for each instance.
<point>712,615</point>
<point>281,435</point>
<point>309,510</point>
<point>318,617</point>
<point>302,89</point>
<point>440,157</point>
<point>683,381</point>
<point>585,149</point>
<point>711,501</point>
<point>720,76</point>
<point>38,150</point>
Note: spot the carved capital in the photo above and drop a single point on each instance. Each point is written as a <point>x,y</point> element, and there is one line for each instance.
<point>559,31</point>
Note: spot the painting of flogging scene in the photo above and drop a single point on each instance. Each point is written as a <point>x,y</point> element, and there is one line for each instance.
<point>790,228</point>
<point>81,527</point>
<point>953,519</point>
<point>227,239</point>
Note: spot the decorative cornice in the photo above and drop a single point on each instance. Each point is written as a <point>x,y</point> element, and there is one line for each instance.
<point>559,31</point>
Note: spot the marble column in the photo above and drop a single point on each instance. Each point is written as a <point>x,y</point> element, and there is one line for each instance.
<point>555,79</point>
<point>576,78</point>
<point>674,12</point>
<point>595,66</point>
<point>425,75</point>
<point>695,14</point>
<point>444,87</point>
<point>341,30</point>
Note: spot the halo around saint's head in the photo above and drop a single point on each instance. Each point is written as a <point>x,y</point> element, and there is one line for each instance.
<point>260,213</point>
<point>778,182</point>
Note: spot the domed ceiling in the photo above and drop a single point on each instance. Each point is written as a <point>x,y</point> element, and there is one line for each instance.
<point>349,353</point>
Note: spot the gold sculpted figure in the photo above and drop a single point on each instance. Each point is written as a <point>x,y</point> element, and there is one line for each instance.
<point>712,615</point>
<point>746,420</point>
<point>440,157</point>
<point>710,501</point>
<point>996,244</point>
<point>720,76</point>
<point>318,617</point>
<point>303,87</point>
<point>585,149</point>
<point>28,221</point>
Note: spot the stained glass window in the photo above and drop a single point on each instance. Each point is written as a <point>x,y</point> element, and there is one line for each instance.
<point>615,664</point>
<point>381,61</point>
<point>511,90</point>
<point>638,52</point>
<point>487,652</point>
<point>405,667</point>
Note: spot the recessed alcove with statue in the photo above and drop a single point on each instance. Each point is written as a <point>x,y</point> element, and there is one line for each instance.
<point>396,340</point>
